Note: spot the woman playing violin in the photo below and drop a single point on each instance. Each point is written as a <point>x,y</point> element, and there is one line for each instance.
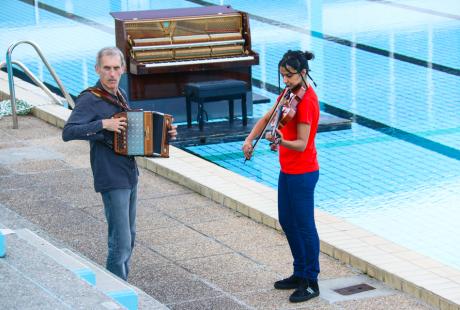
<point>295,141</point>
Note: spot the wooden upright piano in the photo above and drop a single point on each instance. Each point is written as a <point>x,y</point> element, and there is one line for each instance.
<point>166,49</point>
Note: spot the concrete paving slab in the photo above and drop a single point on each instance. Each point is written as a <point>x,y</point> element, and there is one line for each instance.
<point>168,235</point>
<point>193,213</point>
<point>152,219</point>
<point>80,198</point>
<point>10,196</point>
<point>144,256</point>
<point>270,255</point>
<point>242,241</point>
<point>223,264</point>
<point>76,149</point>
<point>171,283</point>
<point>185,290</point>
<point>244,282</point>
<point>223,303</point>
<point>332,268</point>
<point>160,273</point>
<point>79,161</point>
<point>12,220</point>
<point>279,299</point>
<point>19,154</point>
<point>5,171</point>
<point>52,177</point>
<point>28,120</point>
<point>96,211</point>
<point>75,221</point>
<point>39,166</point>
<point>87,243</point>
<point>198,248</point>
<point>48,206</point>
<point>7,141</point>
<point>28,130</point>
<point>226,226</point>
<point>153,186</point>
<point>28,135</point>
<point>17,179</point>
<point>174,203</point>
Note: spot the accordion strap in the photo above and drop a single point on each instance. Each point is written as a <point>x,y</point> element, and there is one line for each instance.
<point>120,101</point>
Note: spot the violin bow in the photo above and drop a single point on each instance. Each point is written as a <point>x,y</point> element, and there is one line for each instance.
<point>276,124</point>
<point>276,109</point>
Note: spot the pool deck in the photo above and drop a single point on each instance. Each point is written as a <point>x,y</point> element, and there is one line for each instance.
<point>426,279</point>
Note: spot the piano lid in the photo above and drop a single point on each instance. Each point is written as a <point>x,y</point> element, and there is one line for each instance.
<point>169,13</point>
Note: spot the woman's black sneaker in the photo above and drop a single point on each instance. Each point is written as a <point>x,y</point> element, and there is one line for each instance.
<point>304,292</point>
<point>288,284</point>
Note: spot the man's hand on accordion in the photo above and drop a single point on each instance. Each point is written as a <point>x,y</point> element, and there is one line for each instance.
<point>114,124</point>
<point>172,132</point>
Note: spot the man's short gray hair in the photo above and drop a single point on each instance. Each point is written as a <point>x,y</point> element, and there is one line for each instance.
<point>109,51</point>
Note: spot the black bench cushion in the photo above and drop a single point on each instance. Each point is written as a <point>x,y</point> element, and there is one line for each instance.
<point>220,88</point>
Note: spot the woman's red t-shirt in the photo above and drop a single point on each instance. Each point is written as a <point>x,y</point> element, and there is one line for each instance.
<point>295,162</point>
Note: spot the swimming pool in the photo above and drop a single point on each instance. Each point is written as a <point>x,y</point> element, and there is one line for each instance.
<point>395,173</point>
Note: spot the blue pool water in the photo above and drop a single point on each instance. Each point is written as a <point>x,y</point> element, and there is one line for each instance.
<point>393,66</point>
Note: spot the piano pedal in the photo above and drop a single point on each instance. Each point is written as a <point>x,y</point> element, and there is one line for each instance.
<point>206,113</point>
<point>206,118</point>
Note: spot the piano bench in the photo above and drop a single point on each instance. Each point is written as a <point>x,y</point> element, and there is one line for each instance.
<point>202,92</point>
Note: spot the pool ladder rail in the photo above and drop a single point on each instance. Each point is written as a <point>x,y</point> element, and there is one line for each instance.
<point>9,65</point>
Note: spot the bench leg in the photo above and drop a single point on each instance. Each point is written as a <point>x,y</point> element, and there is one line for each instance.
<point>188,107</point>
<point>244,110</point>
<point>231,114</point>
<point>200,114</point>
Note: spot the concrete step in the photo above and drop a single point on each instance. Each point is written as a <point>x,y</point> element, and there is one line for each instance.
<point>129,296</point>
<point>3,232</point>
<point>29,279</point>
<point>2,245</point>
<point>77,267</point>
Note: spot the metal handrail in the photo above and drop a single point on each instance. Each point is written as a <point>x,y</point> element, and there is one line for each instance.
<point>34,79</point>
<point>9,65</point>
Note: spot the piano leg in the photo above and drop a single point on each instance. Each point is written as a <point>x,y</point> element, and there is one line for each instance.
<point>189,111</point>
<point>230,111</point>
<point>200,114</point>
<point>244,110</point>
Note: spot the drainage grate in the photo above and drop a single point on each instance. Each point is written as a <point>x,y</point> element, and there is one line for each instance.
<point>354,289</point>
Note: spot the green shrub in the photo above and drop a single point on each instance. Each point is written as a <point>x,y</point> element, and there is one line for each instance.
<point>22,107</point>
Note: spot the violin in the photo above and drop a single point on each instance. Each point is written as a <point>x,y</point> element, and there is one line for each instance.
<point>284,111</point>
<point>287,108</point>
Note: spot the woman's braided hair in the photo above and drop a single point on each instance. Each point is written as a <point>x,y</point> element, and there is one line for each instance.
<point>298,61</point>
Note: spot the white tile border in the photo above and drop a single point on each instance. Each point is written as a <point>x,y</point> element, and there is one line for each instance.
<point>400,268</point>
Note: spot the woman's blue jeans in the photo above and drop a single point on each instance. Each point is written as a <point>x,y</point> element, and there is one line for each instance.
<point>297,218</point>
<point>120,212</point>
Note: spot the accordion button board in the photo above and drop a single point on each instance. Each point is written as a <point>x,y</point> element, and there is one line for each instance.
<point>146,134</point>
<point>135,133</point>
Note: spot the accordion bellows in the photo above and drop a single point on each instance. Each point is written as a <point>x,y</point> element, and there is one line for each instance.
<point>145,135</point>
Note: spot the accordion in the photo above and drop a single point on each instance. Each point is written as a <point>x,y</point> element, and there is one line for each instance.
<point>145,135</point>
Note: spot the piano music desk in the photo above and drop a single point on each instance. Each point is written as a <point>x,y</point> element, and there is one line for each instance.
<point>202,92</point>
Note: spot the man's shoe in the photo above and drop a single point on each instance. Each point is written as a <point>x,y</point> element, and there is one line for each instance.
<point>303,292</point>
<point>288,284</point>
